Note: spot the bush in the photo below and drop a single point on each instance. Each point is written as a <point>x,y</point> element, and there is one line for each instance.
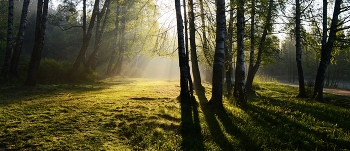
<point>52,71</point>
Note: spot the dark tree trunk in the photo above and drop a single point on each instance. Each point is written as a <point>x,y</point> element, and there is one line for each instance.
<point>183,62</point>
<point>204,44</point>
<point>219,56</point>
<point>326,51</point>
<point>228,54</point>
<point>298,53</point>
<point>9,46</point>
<point>82,53</point>
<point>240,69</point>
<point>119,64</point>
<point>91,63</point>
<point>252,46</point>
<point>19,42</point>
<point>195,67</point>
<point>34,64</point>
<point>114,51</point>
<point>186,48</point>
<point>252,72</point>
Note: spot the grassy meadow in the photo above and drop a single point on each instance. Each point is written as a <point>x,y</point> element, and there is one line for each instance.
<point>145,114</point>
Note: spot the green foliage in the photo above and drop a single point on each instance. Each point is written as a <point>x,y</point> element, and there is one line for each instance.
<point>142,114</point>
<point>53,72</point>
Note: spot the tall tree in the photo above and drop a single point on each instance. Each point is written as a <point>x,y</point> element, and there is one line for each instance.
<point>9,46</point>
<point>40,27</point>
<point>327,46</point>
<point>183,62</point>
<point>228,52</point>
<point>298,53</point>
<point>20,37</point>
<point>219,56</point>
<point>82,53</point>
<point>91,62</point>
<point>268,25</point>
<point>121,44</point>
<point>194,59</point>
<point>240,69</point>
<point>115,43</point>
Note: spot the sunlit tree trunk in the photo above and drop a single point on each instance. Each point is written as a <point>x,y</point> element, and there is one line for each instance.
<point>204,34</point>
<point>19,42</point>
<point>194,60</point>
<point>186,48</point>
<point>302,92</point>
<point>183,62</point>
<point>228,53</point>
<point>217,82</point>
<point>82,53</point>
<point>252,71</point>
<point>326,48</point>
<point>34,64</point>
<point>9,46</point>
<point>119,64</point>
<point>91,63</point>
<point>240,69</point>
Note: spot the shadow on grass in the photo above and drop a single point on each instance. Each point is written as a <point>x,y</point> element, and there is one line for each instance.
<point>16,94</point>
<point>192,138</point>
<point>212,115</point>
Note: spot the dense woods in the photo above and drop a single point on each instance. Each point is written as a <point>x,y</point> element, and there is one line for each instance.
<point>228,50</point>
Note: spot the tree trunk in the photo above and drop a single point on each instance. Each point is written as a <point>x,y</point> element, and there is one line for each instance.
<point>252,47</point>
<point>34,64</point>
<point>298,53</point>
<point>195,67</point>
<point>183,63</point>
<point>219,56</point>
<point>228,53</point>
<point>119,64</point>
<point>19,42</point>
<point>186,49</point>
<point>326,51</point>
<point>82,53</point>
<point>204,44</point>
<point>114,51</point>
<point>9,46</point>
<point>254,70</point>
<point>240,69</point>
<point>91,63</point>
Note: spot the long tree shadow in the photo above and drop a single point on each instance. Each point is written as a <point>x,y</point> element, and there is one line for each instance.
<point>192,138</point>
<point>216,131</point>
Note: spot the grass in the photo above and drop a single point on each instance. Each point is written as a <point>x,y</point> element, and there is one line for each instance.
<point>143,114</point>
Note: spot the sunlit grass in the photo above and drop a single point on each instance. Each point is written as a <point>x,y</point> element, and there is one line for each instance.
<point>143,114</point>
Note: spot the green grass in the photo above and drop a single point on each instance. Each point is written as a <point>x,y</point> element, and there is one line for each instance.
<point>143,114</point>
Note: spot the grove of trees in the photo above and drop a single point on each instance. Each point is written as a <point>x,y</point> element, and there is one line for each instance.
<point>46,41</point>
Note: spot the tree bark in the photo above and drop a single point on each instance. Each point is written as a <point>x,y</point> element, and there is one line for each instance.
<point>219,56</point>
<point>254,70</point>
<point>19,42</point>
<point>194,60</point>
<point>119,64</point>
<point>183,63</point>
<point>326,50</point>
<point>240,69</point>
<point>204,44</point>
<point>9,46</point>
<point>298,53</point>
<point>34,64</point>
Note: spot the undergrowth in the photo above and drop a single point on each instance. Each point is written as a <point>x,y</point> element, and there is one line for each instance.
<point>142,114</point>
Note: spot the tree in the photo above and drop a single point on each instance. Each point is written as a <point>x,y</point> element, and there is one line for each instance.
<point>86,40</point>
<point>327,46</point>
<point>194,60</point>
<point>41,18</point>
<point>9,45</point>
<point>228,52</point>
<point>183,62</point>
<point>91,62</point>
<point>219,56</point>
<point>268,25</point>
<point>115,43</point>
<point>302,92</point>
<point>19,42</point>
<point>240,69</point>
